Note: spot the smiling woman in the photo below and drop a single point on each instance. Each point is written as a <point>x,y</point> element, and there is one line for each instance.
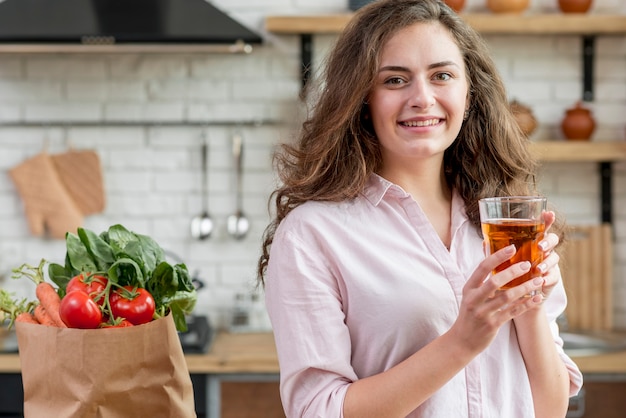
<point>380,295</point>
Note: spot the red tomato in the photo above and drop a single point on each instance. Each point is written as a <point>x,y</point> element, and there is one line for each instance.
<point>93,285</point>
<point>78,310</point>
<point>122,324</point>
<point>134,304</point>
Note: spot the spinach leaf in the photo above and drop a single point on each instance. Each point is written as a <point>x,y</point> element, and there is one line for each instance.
<point>77,255</point>
<point>99,250</point>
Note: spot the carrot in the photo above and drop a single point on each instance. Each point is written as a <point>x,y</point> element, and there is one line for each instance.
<point>47,295</point>
<point>50,301</point>
<point>41,315</point>
<point>26,317</point>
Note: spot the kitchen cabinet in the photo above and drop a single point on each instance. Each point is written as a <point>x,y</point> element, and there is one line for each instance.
<point>602,397</point>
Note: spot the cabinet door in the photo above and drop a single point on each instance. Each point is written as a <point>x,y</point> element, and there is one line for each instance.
<point>605,399</point>
<point>11,396</point>
<point>251,400</point>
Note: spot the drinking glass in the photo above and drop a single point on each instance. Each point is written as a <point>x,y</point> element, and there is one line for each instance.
<point>516,220</point>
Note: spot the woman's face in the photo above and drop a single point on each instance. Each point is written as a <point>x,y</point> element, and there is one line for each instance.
<point>420,95</point>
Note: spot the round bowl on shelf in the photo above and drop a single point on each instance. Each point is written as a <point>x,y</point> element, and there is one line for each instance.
<point>578,123</point>
<point>507,6</point>
<point>575,6</point>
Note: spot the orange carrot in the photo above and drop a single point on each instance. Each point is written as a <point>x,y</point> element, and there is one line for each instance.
<point>50,301</point>
<point>26,317</point>
<point>41,315</point>
<point>46,293</point>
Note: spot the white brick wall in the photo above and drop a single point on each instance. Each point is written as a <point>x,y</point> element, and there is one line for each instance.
<point>152,173</point>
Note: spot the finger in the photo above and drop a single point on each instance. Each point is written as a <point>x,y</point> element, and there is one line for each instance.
<point>520,306</point>
<point>511,273</point>
<point>549,242</point>
<point>550,261</point>
<point>488,265</point>
<point>549,217</point>
<point>508,299</point>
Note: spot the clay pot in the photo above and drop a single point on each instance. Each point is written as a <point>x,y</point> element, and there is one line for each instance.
<point>575,6</point>
<point>456,5</point>
<point>507,6</point>
<point>578,123</point>
<point>524,117</point>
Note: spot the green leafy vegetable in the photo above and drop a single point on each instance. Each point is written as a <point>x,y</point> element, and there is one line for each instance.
<point>129,259</point>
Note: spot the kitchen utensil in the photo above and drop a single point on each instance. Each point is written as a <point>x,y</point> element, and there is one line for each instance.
<point>202,225</point>
<point>237,223</point>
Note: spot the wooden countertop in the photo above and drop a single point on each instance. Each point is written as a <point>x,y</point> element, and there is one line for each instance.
<point>255,353</point>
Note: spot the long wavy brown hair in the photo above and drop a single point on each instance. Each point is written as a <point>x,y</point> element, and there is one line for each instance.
<point>337,149</point>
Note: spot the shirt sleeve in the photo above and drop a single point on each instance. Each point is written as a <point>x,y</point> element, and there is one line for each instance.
<point>555,306</point>
<point>304,303</point>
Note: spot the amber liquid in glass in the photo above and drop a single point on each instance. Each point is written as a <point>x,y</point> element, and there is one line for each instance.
<point>525,234</point>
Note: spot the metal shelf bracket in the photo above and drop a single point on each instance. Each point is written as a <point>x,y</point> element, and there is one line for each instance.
<point>588,61</point>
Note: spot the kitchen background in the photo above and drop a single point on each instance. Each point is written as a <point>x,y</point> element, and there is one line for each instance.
<point>152,170</point>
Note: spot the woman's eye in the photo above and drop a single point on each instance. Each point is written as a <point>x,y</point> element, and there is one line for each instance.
<point>394,81</point>
<point>443,76</point>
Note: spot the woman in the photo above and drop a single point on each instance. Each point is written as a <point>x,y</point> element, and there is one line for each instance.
<point>377,285</point>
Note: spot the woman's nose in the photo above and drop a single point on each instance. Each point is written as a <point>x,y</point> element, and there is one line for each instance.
<point>422,95</point>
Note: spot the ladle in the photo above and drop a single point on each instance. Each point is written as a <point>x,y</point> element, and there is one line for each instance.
<point>237,223</point>
<point>202,225</point>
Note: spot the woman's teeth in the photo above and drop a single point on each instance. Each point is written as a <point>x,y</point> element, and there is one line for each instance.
<point>428,122</point>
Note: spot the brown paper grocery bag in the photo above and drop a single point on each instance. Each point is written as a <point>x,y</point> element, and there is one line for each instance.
<point>128,372</point>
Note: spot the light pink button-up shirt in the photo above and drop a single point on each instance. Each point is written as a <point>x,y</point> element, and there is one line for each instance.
<point>356,287</point>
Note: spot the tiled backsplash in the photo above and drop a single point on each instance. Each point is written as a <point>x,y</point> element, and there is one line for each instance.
<point>152,170</point>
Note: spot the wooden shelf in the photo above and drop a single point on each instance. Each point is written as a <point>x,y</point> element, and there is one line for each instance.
<point>487,23</point>
<point>26,48</point>
<point>579,151</point>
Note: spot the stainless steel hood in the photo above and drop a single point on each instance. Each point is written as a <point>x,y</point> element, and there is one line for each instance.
<point>117,22</point>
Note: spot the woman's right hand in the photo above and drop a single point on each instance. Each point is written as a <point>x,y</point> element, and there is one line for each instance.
<point>485,308</point>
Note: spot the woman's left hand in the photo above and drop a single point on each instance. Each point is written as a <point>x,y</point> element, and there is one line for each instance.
<point>547,267</point>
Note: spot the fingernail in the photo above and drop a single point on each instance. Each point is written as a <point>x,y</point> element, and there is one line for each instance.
<point>537,281</point>
<point>543,245</point>
<point>510,249</point>
<point>542,268</point>
<point>525,265</point>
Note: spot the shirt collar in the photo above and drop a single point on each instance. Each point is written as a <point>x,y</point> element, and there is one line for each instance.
<point>377,187</point>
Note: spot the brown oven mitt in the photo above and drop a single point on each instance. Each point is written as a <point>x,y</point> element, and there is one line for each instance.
<point>80,172</point>
<point>48,205</point>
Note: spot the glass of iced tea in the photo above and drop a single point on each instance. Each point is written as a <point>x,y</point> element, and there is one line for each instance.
<point>515,220</point>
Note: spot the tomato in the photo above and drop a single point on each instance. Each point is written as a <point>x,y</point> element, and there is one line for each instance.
<point>134,304</point>
<point>78,310</point>
<point>121,324</point>
<point>93,285</point>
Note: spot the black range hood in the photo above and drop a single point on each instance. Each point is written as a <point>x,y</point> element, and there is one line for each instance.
<point>119,22</point>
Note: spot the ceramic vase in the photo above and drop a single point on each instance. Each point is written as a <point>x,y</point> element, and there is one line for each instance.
<point>575,6</point>
<point>578,123</point>
<point>524,117</point>
<point>507,6</point>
